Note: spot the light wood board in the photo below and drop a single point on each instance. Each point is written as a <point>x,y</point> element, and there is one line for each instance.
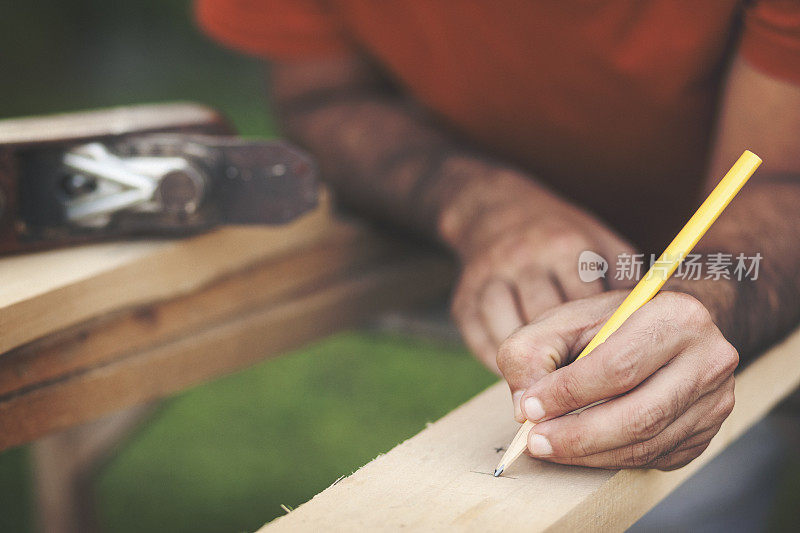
<point>441,479</point>
<point>345,248</point>
<point>224,345</point>
<point>44,292</point>
<point>101,122</point>
<point>93,329</point>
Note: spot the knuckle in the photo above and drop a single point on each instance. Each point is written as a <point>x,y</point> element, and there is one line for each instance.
<point>516,351</point>
<point>573,444</point>
<point>504,358</point>
<point>577,441</point>
<point>508,352</point>
<point>723,359</point>
<point>528,350</point>
<point>732,387</point>
<point>644,422</point>
<point>691,310</point>
<point>493,292</point>
<point>518,343</point>
<point>566,242</point>
<point>725,406</point>
<point>513,249</point>
<point>519,251</point>
<point>728,356</point>
<point>670,463</point>
<point>645,339</point>
<point>567,392</point>
<point>640,454</point>
<point>656,334</point>
<point>621,370</point>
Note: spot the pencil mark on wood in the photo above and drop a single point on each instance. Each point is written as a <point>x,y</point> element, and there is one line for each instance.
<point>490,474</point>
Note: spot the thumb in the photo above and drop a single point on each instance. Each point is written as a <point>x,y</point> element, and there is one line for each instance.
<point>551,342</point>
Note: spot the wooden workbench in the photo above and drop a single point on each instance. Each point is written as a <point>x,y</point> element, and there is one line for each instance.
<point>91,330</point>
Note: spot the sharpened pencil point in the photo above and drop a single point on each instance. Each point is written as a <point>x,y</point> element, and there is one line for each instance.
<point>499,470</point>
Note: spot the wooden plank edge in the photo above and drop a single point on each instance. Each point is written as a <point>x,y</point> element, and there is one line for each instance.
<point>110,121</point>
<point>173,268</point>
<point>105,338</point>
<point>588,499</point>
<point>220,349</point>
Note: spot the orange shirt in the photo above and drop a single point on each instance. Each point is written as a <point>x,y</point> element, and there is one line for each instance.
<point>610,102</point>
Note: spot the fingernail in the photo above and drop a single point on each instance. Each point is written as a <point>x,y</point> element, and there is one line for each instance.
<point>534,410</point>
<point>539,445</point>
<point>515,399</point>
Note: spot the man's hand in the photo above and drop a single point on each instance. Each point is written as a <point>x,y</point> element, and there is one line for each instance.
<point>667,374</point>
<point>520,258</point>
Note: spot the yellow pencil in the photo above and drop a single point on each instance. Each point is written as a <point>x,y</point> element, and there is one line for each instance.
<point>658,274</point>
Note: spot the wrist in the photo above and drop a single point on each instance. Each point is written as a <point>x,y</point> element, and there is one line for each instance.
<point>719,297</point>
<point>483,195</point>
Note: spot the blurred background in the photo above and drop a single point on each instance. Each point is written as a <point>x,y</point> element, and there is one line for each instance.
<point>225,456</point>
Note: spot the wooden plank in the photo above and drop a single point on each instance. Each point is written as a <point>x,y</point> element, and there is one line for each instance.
<point>222,347</point>
<point>48,291</point>
<point>441,479</point>
<point>102,122</point>
<point>344,248</point>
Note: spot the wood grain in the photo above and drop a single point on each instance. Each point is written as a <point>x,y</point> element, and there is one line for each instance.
<point>441,479</point>
<point>343,248</point>
<point>222,347</point>
<point>45,292</point>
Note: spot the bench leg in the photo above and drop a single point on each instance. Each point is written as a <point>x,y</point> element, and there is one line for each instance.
<point>63,468</point>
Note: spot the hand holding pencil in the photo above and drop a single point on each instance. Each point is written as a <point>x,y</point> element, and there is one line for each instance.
<point>668,368</point>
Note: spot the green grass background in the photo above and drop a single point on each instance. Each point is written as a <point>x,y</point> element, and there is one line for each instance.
<point>224,456</point>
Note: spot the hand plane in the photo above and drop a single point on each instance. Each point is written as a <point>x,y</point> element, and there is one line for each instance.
<point>150,170</point>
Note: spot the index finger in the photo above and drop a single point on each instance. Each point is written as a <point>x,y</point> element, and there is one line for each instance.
<point>649,339</point>
<point>553,340</point>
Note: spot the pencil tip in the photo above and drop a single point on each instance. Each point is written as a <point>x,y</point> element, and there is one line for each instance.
<point>499,470</point>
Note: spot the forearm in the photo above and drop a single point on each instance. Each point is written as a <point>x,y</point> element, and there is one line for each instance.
<point>764,219</point>
<point>759,113</point>
<point>384,157</point>
<point>518,242</point>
